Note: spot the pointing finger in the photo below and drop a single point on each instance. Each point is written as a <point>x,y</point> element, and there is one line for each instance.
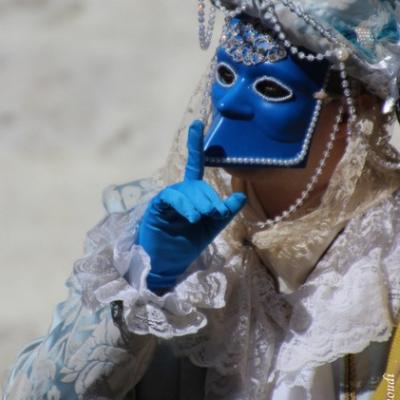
<point>195,162</point>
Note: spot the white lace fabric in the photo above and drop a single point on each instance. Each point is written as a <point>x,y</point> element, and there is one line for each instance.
<point>245,331</point>
<point>350,300</point>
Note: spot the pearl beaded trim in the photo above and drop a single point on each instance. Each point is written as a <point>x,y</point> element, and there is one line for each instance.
<point>276,161</point>
<point>224,84</point>
<point>281,35</point>
<point>311,184</point>
<point>264,78</point>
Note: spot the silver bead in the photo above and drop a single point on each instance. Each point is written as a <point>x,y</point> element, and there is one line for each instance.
<point>342,54</point>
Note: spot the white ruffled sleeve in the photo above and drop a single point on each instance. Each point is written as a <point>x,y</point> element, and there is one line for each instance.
<point>111,251</point>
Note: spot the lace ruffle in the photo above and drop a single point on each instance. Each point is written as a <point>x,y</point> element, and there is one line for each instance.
<point>262,339</point>
<point>239,343</point>
<point>110,252</point>
<point>255,338</point>
<point>350,300</point>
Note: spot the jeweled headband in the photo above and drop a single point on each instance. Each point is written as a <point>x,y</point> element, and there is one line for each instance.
<point>248,45</point>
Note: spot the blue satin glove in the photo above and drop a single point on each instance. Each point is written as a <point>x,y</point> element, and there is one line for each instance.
<point>184,218</point>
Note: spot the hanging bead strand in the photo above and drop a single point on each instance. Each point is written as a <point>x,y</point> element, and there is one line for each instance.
<point>311,21</point>
<point>205,30</point>
<point>342,56</point>
<point>312,182</point>
<point>281,35</point>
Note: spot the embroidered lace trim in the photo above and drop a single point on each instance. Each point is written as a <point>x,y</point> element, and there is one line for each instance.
<point>111,251</point>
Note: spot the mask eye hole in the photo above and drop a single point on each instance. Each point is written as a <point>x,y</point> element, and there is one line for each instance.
<point>226,76</point>
<point>272,89</point>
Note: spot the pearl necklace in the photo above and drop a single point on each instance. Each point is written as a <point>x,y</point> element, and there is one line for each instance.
<point>299,202</point>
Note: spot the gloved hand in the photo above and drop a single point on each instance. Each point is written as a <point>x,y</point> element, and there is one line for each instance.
<point>184,218</point>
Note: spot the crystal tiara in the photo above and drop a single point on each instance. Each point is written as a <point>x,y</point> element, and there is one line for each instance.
<point>245,44</point>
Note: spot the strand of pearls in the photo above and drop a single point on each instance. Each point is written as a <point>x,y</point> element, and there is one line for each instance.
<point>311,21</point>
<point>281,35</point>
<point>318,27</point>
<point>342,55</point>
<point>205,31</point>
<point>312,182</point>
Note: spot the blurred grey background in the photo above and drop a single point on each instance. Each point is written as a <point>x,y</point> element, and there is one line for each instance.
<point>91,93</point>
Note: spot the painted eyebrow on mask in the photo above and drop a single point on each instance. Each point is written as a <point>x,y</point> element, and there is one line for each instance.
<point>272,89</point>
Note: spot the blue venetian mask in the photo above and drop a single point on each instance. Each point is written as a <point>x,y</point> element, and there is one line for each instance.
<point>264,107</point>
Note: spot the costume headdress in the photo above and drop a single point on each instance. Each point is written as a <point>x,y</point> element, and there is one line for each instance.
<point>364,33</point>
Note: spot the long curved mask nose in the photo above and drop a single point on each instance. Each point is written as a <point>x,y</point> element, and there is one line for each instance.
<point>263,113</point>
